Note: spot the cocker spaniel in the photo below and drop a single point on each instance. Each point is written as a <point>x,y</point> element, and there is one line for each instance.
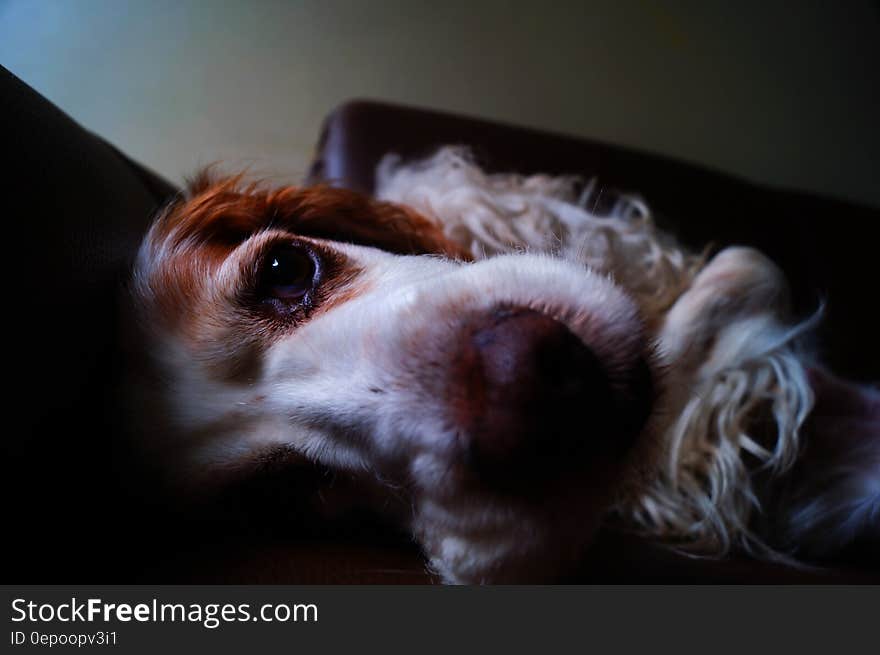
<point>495,368</point>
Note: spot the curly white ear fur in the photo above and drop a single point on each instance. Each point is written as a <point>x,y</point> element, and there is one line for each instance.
<point>495,214</point>
<point>720,328</point>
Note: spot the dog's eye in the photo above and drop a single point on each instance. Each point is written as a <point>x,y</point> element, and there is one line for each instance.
<point>289,273</point>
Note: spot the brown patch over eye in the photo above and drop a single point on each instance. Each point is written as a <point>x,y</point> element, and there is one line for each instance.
<point>226,211</point>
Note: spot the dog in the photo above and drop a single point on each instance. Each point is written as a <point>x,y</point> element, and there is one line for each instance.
<point>495,369</point>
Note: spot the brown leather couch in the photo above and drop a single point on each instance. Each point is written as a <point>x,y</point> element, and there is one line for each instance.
<point>75,209</point>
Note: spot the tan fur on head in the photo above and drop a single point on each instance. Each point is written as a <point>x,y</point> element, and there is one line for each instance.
<point>740,389</point>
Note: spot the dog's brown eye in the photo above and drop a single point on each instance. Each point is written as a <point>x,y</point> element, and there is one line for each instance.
<point>289,273</point>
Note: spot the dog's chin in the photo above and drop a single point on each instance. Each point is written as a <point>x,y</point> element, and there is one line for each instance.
<point>480,535</point>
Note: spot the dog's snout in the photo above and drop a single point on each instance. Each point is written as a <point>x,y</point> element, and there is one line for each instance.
<point>534,397</point>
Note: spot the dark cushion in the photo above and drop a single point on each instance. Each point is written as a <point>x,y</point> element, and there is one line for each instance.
<point>75,209</point>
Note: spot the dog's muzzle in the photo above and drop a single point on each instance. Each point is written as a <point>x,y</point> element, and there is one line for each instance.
<point>534,400</point>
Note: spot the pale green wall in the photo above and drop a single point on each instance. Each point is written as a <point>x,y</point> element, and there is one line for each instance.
<point>782,92</point>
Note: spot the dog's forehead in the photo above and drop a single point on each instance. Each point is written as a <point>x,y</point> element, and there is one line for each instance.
<point>218,214</point>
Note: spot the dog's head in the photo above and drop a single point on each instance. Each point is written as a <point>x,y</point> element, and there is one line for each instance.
<point>499,400</point>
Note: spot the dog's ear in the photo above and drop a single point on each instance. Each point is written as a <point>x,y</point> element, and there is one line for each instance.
<point>226,210</point>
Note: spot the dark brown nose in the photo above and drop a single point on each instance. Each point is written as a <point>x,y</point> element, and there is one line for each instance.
<point>536,398</point>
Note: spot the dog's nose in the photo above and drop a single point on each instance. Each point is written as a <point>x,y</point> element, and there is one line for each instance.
<point>535,398</point>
